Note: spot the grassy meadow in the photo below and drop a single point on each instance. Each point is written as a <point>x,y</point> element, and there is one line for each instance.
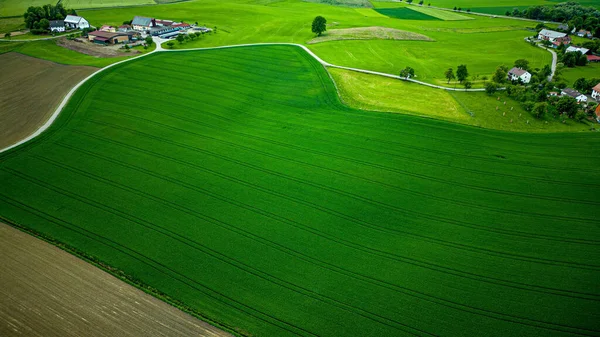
<point>244,189</point>
<point>376,93</point>
<point>570,75</point>
<point>18,7</point>
<point>501,6</point>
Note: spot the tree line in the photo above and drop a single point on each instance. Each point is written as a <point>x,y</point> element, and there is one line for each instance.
<point>37,18</point>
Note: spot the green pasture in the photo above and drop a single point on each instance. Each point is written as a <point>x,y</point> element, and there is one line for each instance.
<point>377,93</point>
<point>570,75</point>
<point>242,187</point>
<point>500,6</point>
<point>405,13</point>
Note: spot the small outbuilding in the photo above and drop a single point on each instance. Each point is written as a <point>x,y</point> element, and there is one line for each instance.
<point>105,38</point>
<point>575,94</point>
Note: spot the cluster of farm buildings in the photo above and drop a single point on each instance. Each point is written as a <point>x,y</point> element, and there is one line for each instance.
<point>139,27</point>
<point>557,39</point>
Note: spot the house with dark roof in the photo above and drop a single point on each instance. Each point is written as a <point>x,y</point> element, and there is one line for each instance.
<point>141,23</point>
<point>575,94</point>
<point>518,74</point>
<point>124,28</point>
<point>101,37</point>
<point>584,33</point>
<point>596,92</point>
<point>76,22</point>
<point>57,26</point>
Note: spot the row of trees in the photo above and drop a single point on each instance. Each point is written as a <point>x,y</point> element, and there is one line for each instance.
<point>37,18</point>
<point>576,15</point>
<point>462,73</point>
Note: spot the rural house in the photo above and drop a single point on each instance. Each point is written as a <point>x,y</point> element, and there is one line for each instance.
<point>107,28</point>
<point>598,113</point>
<point>101,37</point>
<point>518,74</point>
<point>550,35</point>
<point>57,26</point>
<point>575,94</point>
<point>596,92</point>
<point>76,22</point>
<point>561,40</point>
<point>124,28</point>
<point>141,23</point>
<point>577,49</point>
<point>564,27</point>
<point>584,33</point>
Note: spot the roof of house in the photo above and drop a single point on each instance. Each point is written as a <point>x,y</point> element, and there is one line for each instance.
<point>593,58</point>
<point>598,111</point>
<point>57,23</point>
<point>563,26</point>
<point>107,35</point>
<point>141,21</point>
<point>596,88</point>
<point>551,33</point>
<point>584,31</point>
<point>100,38</point>
<point>164,22</point>
<point>73,19</point>
<point>579,49</point>
<point>181,24</point>
<point>106,27</point>
<point>571,92</point>
<point>124,26</point>
<point>517,71</point>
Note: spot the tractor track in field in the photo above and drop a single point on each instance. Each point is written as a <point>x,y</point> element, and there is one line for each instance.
<point>350,218</point>
<point>453,201</point>
<point>301,290</point>
<point>296,224</point>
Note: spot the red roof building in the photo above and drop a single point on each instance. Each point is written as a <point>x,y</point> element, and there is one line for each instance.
<point>593,58</point>
<point>598,113</point>
<point>182,25</point>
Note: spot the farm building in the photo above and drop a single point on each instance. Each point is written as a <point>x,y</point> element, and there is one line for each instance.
<point>101,37</point>
<point>107,28</point>
<point>162,23</point>
<point>160,30</point>
<point>593,58</point>
<point>518,74</point>
<point>561,40</point>
<point>141,23</point>
<point>57,26</point>
<point>124,28</point>
<point>550,35</point>
<point>584,33</point>
<point>182,25</point>
<point>577,49</point>
<point>596,92</point>
<point>575,94</point>
<point>598,113</point>
<point>76,22</point>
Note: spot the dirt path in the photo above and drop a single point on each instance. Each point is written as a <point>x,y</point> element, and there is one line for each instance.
<point>45,291</point>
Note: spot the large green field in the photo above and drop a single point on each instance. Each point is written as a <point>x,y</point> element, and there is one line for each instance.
<point>242,187</point>
<point>18,7</point>
<point>501,6</point>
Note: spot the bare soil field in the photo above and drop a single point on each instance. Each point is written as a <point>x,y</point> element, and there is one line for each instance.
<point>46,291</point>
<point>368,33</point>
<point>31,89</point>
<point>89,48</point>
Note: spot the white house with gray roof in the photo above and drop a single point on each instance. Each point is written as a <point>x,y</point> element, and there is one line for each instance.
<point>141,23</point>
<point>550,35</point>
<point>516,74</point>
<point>76,22</point>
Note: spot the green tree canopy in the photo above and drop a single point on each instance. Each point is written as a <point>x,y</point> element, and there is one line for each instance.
<point>319,25</point>
<point>449,74</point>
<point>407,72</point>
<point>522,63</point>
<point>462,73</point>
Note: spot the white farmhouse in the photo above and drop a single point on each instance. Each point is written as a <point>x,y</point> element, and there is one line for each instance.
<point>575,94</point>
<point>516,74</point>
<point>575,49</point>
<point>76,22</point>
<point>550,35</point>
<point>141,23</point>
<point>57,26</point>
<point>596,92</point>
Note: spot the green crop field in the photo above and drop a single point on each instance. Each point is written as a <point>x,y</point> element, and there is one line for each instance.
<point>405,13</point>
<point>243,188</point>
<point>501,6</point>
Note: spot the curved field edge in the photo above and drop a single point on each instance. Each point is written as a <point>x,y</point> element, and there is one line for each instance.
<point>94,278</point>
<point>328,87</point>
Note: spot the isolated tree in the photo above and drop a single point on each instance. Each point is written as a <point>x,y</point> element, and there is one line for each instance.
<point>507,13</point>
<point>409,1</point>
<point>468,10</point>
<point>319,25</point>
<point>484,78</point>
<point>407,72</point>
<point>180,39</point>
<point>429,4</point>
<point>459,9</point>
<point>522,63</point>
<point>462,73</point>
<point>421,2</point>
<point>148,40</point>
<point>170,44</point>
<point>215,29</point>
<point>7,35</point>
<point>449,74</point>
<point>468,85</point>
<point>490,88</point>
<point>454,7</point>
